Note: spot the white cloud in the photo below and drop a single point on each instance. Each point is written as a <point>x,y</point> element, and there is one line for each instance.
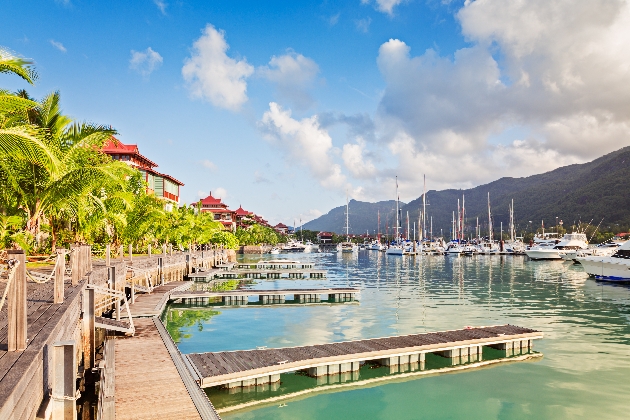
<point>220,192</point>
<point>385,6</point>
<point>303,141</point>
<point>334,19</point>
<point>363,25</point>
<point>58,45</point>
<point>260,178</point>
<point>208,164</point>
<point>145,62</point>
<point>563,77</point>
<point>161,5</point>
<point>355,161</point>
<point>309,215</point>
<point>293,74</point>
<point>212,75</point>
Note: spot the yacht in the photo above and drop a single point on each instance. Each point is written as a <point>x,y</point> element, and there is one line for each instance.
<point>375,246</point>
<point>489,248</point>
<point>293,246</point>
<point>454,247</point>
<point>275,250</point>
<point>606,249</point>
<point>396,248</point>
<point>613,268</point>
<point>347,246</point>
<point>547,251</point>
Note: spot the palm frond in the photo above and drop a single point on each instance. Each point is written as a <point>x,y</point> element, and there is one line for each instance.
<point>24,142</point>
<point>21,67</point>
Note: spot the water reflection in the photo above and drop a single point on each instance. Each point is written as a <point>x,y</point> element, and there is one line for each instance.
<point>586,326</point>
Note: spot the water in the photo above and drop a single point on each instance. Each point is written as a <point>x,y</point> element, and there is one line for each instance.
<point>583,373</point>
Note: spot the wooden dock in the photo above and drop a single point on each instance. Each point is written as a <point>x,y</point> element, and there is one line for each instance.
<point>258,367</point>
<point>153,304</point>
<point>147,382</point>
<point>271,274</point>
<point>241,296</point>
<point>274,265</point>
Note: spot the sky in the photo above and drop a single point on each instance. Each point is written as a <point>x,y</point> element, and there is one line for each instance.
<point>286,107</point>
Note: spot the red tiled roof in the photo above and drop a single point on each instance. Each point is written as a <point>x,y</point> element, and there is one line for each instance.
<point>241,212</point>
<point>211,200</point>
<point>115,146</point>
<point>281,226</point>
<point>325,234</point>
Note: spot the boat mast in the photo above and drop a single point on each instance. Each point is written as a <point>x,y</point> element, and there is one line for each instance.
<point>397,200</point>
<point>378,228</point>
<point>347,219</point>
<point>489,219</point>
<point>424,206</point>
<point>431,238</point>
<point>408,230</point>
<point>512,233</point>
<point>459,218</point>
<point>463,214</point>
<point>453,228</point>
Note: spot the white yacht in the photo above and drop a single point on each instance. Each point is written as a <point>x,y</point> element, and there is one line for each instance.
<point>606,249</point>
<point>396,248</point>
<point>547,251</point>
<point>347,246</point>
<point>613,268</point>
<point>454,247</point>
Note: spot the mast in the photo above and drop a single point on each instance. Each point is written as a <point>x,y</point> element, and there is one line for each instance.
<point>378,228</point>
<point>512,233</point>
<point>459,217</point>
<point>347,219</point>
<point>397,200</point>
<point>408,231</point>
<point>453,229</point>
<point>489,219</point>
<point>463,213</point>
<point>477,229</point>
<point>424,206</point>
<point>431,237</point>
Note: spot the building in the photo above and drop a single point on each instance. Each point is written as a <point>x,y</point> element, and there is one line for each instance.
<point>163,186</point>
<point>220,211</point>
<point>281,228</point>
<point>325,237</point>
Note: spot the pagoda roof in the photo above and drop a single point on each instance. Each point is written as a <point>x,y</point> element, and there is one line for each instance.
<point>115,146</point>
<point>281,226</point>
<point>242,212</point>
<point>212,200</point>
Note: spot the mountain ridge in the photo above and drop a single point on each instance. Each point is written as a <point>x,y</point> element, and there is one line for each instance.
<point>595,190</point>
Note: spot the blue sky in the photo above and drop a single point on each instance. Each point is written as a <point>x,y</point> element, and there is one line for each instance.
<point>284,106</point>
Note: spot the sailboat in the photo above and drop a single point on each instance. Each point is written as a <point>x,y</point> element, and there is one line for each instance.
<point>376,244</point>
<point>396,248</point>
<point>489,247</point>
<point>347,246</point>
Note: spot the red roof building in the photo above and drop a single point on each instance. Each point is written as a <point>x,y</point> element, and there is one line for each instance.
<point>281,228</point>
<point>325,237</point>
<point>220,210</point>
<point>162,185</point>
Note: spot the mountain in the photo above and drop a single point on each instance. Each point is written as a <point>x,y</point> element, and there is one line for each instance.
<point>590,191</point>
<point>363,216</point>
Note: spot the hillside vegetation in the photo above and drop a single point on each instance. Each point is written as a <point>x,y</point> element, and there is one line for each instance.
<point>591,191</point>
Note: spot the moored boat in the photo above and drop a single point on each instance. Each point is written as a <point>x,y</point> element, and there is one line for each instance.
<point>613,268</point>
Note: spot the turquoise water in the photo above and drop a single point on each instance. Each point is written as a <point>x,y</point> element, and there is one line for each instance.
<point>584,371</point>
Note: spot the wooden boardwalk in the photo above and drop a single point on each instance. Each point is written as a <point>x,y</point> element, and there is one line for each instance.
<point>254,292</point>
<point>253,367</point>
<point>147,383</point>
<point>152,304</point>
<point>46,321</point>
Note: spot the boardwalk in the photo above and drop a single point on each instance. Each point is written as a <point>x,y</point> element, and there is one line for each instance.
<point>148,385</point>
<point>250,367</point>
<point>254,292</point>
<point>152,304</point>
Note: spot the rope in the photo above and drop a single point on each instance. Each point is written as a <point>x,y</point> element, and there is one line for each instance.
<point>13,264</point>
<point>43,278</point>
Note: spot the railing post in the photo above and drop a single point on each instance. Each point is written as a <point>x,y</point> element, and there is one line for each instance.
<point>16,304</point>
<point>149,250</point>
<point>63,381</point>
<point>188,264</point>
<point>88,327</point>
<point>161,270</point>
<point>75,263</point>
<point>60,271</point>
<point>89,258</point>
<point>164,249</point>
<point>122,253</point>
<point>170,249</point>
<point>108,255</point>
<point>130,253</point>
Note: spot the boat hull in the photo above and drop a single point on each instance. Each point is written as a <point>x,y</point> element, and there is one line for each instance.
<point>543,254</point>
<point>606,269</point>
<point>394,251</point>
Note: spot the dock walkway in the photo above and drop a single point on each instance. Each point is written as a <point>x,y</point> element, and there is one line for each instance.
<point>147,382</point>
<point>257,367</point>
<point>241,296</point>
<point>152,304</point>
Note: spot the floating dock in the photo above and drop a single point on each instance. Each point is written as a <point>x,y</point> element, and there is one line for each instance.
<point>241,296</point>
<point>275,265</point>
<point>263,366</point>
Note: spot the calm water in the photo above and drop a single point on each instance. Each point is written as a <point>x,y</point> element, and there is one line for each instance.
<point>585,371</point>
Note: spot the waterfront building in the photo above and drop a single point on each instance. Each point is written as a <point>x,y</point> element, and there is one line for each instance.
<point>281,228</point>
<point>325,237</point>
<point>243,217</point>
<point>162,185</point>
<point>219,209</point>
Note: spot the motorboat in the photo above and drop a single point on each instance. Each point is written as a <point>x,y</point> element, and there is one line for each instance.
<point>606,249</point>
<point>489,248</point>
<point>274,250</point>
<point>347,247</point>
<point>395,249</point>
<point>293,246</point>
<point>454,247</point>
<point>613,268</point>
<point>375,246</point>
<point>546,251</point>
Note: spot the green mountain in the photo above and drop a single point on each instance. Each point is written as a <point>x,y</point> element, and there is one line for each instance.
<point>362,217</point>
<point>583,192</point>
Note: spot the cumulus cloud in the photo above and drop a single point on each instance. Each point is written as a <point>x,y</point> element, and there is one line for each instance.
<point>293,74</point>
<point>356,162</point>
<point>58,45</point>
<point>563,76</point>
<point>220,193</point>
<point>212,75</point>
<point>145,62</point>
<point>385,6</point>
<point>303,141</point>
<point>161,5</point>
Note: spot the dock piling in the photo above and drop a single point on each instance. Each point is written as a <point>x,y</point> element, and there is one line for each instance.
<point>88,327</point>
<point>63,396</point>
<point>60,272</point>
<point>16,304</point>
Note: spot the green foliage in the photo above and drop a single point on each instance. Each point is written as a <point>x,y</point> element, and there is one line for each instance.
<point>179,319</point>
<point>258,235</point>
